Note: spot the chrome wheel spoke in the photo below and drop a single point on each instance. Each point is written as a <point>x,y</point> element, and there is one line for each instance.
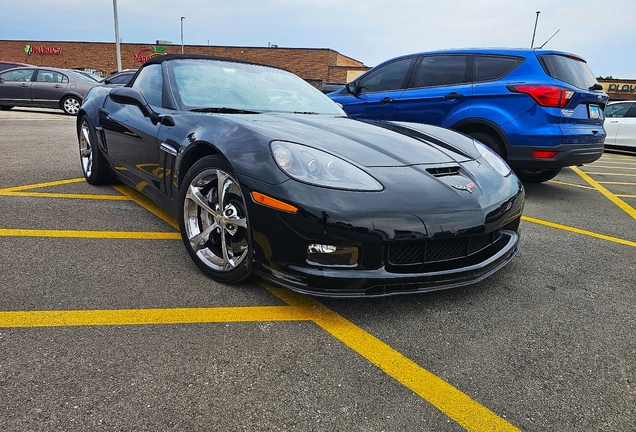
<point>194,194</point>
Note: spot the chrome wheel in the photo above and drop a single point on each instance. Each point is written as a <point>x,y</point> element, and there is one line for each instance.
<point>86,149</point>
<point>71,105</point>
<point>215,223</point>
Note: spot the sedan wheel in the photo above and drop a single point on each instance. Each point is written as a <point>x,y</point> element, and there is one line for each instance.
<point>213,221</point>
<point>71,105</point>
<point>93,164</point>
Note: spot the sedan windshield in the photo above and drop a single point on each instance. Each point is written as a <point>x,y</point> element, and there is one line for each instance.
<point>209,85</point>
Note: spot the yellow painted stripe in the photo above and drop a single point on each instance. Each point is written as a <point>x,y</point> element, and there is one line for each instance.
<point>616,166</point>
<point>452,402</point>
<point>625,196</point>
<point>148,235</point>
<point>618,183</point>
<point>609,173</point>
<point>66,195</point>
<point>41,185</point>
<point>147,204</point>
<point>578,231</point>
<point>59,318</point>
<point>609,195</point>
<point>571,184</point>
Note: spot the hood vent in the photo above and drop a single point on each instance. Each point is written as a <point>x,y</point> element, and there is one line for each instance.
<point>443,171</point>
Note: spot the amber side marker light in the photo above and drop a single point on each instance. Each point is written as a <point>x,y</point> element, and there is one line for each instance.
<point>273,202</point>
<point>544,154</point>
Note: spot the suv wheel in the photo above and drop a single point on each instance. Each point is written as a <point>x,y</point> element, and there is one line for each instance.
<point>536,175</point>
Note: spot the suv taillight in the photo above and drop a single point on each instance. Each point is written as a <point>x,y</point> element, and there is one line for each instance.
<point>547,96</point>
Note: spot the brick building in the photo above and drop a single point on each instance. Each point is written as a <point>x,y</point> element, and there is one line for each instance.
<point>316,65</point>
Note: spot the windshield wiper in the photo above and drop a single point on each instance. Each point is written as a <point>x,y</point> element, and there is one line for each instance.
<point>596,87</point>
<point>224,110</point>
<point>305,112</point>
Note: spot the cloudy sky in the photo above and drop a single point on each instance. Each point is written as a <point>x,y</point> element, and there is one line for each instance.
<point>370,31</point>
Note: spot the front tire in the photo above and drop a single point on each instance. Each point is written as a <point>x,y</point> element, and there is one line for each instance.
<point>93,164</point>
<point>537,175</point>
<point>71,105</point>
<point>213,221</point>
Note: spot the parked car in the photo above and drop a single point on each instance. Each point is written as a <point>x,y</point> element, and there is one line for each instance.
<point>289,188</point>
<point>620,124</point>
<point>331,87</point>
<point>4,65</point>
<point>540,110</point>
<point>43,87</point>
<point>120,78</point>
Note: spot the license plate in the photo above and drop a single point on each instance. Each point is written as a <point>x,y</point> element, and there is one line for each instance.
<point>595,111</point>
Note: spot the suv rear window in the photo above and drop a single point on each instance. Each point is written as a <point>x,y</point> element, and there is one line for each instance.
<point>572,70</point>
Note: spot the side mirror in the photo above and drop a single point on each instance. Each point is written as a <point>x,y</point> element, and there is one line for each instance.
<point>352,88</point>
<point>130,96</point>
<point>1,80</point>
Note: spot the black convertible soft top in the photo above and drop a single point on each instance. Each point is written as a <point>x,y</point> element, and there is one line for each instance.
<point>167,57</point>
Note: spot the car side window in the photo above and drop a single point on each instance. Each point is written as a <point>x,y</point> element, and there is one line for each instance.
<point>51,76</point>
<point>149,83</point>
<point>617,110</point>
<point>490,68</point>
<point>20,75</point>
<point>443,70</point>
<point>388,77</point>
<point>631,113</point>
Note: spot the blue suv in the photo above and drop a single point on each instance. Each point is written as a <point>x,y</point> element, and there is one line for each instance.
<point>541,110</point>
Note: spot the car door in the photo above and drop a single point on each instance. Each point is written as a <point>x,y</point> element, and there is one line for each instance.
<point>440,92</point>
<point>15,87</point>
<point>614,117</point>
<point>626,135</point>
<point>48,87</point>
<point>131,136</point>
<point>379,90</point>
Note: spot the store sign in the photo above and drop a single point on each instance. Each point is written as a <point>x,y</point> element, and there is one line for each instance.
<point>147,53</point>
<point>621,88</point>
<point>42,50</point>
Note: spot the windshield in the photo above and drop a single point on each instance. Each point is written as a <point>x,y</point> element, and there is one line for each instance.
<point>572,70</point>
<point>247,87</point>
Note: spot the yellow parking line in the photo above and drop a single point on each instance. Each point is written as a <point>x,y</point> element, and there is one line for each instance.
<point>609,173</point>
<point>61,318</point>
<point>618,183</point>
<point>571,184</point>
<point>609,195</point>
<point>41,185</point>
<point>628,167</point>
<point>458,406</point>
<point>578,231</point>
<point>147,235</point>
<point>65,195</point>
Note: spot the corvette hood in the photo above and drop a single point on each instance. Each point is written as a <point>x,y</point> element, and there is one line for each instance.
<point>370,144</point>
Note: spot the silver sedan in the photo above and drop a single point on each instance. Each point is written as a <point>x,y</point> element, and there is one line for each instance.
<point>43,87</point>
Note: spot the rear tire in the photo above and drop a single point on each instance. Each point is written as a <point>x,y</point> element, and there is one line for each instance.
<point>93,164</point>
<point>71,105</point>
<point>536,176</point>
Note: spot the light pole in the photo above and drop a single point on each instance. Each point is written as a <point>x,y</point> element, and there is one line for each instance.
<point>117,36</point>
<point>535,29</point>
<point>182,18</point>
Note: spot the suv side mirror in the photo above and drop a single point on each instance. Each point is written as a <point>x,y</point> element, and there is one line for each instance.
<point>352,88</point>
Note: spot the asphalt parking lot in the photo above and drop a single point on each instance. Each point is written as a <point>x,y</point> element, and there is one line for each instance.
<point>106,324</point>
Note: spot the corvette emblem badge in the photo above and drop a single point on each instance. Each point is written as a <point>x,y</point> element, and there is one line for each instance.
<point>468,188</point>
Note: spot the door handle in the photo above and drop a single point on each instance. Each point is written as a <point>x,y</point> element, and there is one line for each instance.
<point>453,95</point>
<point>386,100</point>
<point>24,85</point>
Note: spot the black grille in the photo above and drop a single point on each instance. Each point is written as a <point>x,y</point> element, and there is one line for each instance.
<point>433,251</point>
<point>443,171</point>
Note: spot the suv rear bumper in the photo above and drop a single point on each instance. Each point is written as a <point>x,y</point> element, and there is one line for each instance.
<point>569,154</point>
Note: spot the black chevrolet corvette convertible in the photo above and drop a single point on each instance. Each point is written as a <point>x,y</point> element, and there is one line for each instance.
<point>267,175</point>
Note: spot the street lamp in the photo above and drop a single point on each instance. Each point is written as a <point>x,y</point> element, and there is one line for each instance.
<point>182,18</point>
<point>535,29</point>
<point>117,41</point>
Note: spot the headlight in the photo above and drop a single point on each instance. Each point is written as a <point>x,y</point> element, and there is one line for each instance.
<point>493,159</point>
<point>320,168</point>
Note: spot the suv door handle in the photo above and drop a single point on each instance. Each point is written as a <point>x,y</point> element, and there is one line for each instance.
<point>453,95</point>
<point>386,100</point>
